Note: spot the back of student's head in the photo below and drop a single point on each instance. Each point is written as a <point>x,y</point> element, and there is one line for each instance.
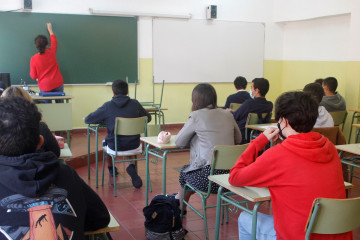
<point>41,43</point>
<point>319,81</point>
<point>19,126</point>
<point>120,87</point>
<point>262,84</point>
<point>14,91</point>
<point>240,82</point>
<point>315,90</point>
<point>331,83</point>
<point>203,95</point>
<point>299,108</point>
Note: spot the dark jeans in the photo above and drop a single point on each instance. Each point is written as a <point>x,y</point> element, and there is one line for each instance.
<point>58,89</point>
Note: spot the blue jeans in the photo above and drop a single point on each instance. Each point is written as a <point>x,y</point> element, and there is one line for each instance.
<point>58,89</point>
<point>264,228</point>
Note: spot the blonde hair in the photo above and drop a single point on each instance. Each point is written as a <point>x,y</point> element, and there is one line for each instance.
<point>17,92</point>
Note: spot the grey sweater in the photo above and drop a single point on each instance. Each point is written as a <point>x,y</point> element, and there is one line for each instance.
<point>333,103</point>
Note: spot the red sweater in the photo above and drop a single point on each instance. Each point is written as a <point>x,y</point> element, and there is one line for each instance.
<point>300,169</point>
<point>45,68</point>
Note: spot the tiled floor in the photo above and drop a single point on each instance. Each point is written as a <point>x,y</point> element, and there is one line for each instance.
<point>127,206</point>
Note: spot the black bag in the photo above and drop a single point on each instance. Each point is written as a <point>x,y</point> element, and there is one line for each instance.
<point>162,219</point>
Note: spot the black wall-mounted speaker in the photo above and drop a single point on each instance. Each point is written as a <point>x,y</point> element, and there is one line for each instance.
<point>211,12</point>
<point>27,4</point>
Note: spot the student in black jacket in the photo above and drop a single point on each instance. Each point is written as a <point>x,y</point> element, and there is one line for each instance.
<point>241,95</point>
<point>120,106</point>
<point>39,197</point>
<point>50,143</point>
<point>259,88</point>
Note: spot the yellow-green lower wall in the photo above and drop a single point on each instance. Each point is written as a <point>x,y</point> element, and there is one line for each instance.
<point>283,76</point>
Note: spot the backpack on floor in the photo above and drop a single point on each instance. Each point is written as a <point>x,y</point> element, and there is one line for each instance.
<point>162,219</point>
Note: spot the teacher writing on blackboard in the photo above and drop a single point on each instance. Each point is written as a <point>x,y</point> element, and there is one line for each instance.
<point>43,65</point>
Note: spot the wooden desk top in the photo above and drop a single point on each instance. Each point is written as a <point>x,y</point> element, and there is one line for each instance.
<point>252,194</point>
<point>112,227</point>
<point>35,97</point>
<point>350,148</point>
<point>65,152</point>
<point>153,109</point>
<point>357,125</point>
<point>353,110</point>
<point>261,127</point>
<point>154,142</point>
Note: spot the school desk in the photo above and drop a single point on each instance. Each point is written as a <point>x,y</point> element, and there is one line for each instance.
<point>250,194</point>
<point>58,116</point>
<point>112,227</point>
<point>159,151</point>
<point>352,162</point>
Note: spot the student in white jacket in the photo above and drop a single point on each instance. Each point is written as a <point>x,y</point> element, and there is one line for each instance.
<point>324,119</point>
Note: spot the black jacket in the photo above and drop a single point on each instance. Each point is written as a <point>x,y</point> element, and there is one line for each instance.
<point>238,97</point>
<point>50,143</point>
<point>256,105</point>
<point>35,190</point>
<point>119,106</point>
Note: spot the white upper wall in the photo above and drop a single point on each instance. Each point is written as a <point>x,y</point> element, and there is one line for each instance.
<point>292,10</point>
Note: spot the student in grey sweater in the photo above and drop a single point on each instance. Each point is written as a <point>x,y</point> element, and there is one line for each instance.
<point>332,100</point>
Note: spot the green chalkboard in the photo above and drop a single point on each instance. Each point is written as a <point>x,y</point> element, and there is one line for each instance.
<point>91,49</point>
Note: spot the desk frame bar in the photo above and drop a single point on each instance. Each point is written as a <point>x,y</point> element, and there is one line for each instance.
<point>253,212</point>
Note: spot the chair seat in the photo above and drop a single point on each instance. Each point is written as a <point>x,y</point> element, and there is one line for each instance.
<point>124,153</point>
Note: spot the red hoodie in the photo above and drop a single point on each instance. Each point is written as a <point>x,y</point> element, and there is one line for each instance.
<point>45,68</point>
<point>303,167</point>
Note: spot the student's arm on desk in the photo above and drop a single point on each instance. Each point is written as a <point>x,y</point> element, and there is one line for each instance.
<point>185,135</point>
<point>98,116</point>
<point>237,133</point>
<point>259,173</point>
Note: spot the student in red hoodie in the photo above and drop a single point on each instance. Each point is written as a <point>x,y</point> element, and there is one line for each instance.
<point>43,65</point>
<point>303,167</point>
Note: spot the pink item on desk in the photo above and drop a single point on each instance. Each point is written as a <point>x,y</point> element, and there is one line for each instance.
<point>164,137</point>
<point>60,141</point>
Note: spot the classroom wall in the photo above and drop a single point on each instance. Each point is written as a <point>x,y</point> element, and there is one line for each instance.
<point>304,40</point>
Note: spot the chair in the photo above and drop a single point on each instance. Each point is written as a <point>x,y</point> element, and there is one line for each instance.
<point>253,118</point>
<point>126,127</point>
<point>235,106</point>
<point>339,118</point>
<point>223,158</point>
<point>335,135</point>
<point>333,216</point>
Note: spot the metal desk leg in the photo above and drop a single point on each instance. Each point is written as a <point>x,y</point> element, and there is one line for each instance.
<point>164,171</point>
<point>88,142</point>
<point>68,137</point>
<point>254,220</point>
<point>96,154</point>
<point>218,209</point>
<point>147,146</point>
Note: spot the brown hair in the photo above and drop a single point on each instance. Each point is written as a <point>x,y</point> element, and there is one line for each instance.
<point>203,95</point>
<point>14,91</point>
<point>41,43</point>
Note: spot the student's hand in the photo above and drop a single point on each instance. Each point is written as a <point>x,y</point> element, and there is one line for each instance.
<point>49,27</point>
<point>229,109</point>
<point>272,134</point>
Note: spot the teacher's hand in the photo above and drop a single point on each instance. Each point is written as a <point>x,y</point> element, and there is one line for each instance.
<point>49,27</point>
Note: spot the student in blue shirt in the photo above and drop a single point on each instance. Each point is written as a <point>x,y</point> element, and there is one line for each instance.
<point>241,95</point>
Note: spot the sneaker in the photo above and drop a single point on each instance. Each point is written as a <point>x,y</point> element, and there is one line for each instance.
<point>111,171</point>
<point>135,179</point>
